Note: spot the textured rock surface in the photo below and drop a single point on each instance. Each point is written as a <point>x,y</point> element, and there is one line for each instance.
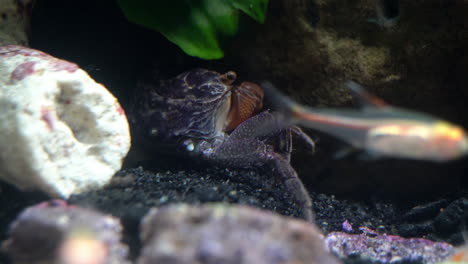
<point>311,47</point>
<point>53,232</point>
<point>387,248</point>
<point>442,220</point>
<point>453,218</point>
<point>14,21</point>
<point>218,233</point>
<point>62,133</point>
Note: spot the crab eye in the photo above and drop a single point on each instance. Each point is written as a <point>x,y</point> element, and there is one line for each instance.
<point>229,77</point>
<point>189,145</point>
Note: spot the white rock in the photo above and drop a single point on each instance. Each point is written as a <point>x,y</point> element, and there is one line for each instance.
<point>60,131</point>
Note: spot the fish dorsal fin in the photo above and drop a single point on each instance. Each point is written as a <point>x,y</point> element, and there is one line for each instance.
<point>365,98</point>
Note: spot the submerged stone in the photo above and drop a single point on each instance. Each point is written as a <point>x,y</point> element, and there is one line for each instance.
<point>54,232</point>
<point>387,248</point>
<point>62,133</point>
<point>219,233</point>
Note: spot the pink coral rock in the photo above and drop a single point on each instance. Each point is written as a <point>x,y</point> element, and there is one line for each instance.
<point>387,248</point>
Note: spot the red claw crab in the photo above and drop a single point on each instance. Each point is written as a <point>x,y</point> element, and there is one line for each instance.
<point>206,114</point>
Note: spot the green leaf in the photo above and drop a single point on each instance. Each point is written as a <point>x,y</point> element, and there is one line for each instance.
<point>194,25</point>
<point>222,16</point>
<point>255,8</point>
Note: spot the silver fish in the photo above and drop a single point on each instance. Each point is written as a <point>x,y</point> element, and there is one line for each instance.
<point>378,128</point>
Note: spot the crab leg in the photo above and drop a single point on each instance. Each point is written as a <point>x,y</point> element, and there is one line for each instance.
<point>245,149</point>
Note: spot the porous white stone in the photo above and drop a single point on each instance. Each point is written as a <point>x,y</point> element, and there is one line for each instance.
<point>60,131</point>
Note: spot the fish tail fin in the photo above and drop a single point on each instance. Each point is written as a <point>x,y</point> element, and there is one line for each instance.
<point>279,101</point>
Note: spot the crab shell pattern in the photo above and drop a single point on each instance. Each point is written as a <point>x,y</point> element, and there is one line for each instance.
<point>198,104</point>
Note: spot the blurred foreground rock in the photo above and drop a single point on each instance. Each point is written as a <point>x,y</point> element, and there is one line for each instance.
<point>56,233</point>
<point>218,233</point>
<point>61,132</point>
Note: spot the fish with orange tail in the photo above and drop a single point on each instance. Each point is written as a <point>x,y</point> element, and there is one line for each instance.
<point>379,129</point>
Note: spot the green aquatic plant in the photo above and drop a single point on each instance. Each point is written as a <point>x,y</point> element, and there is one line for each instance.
<point>195,26</point>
